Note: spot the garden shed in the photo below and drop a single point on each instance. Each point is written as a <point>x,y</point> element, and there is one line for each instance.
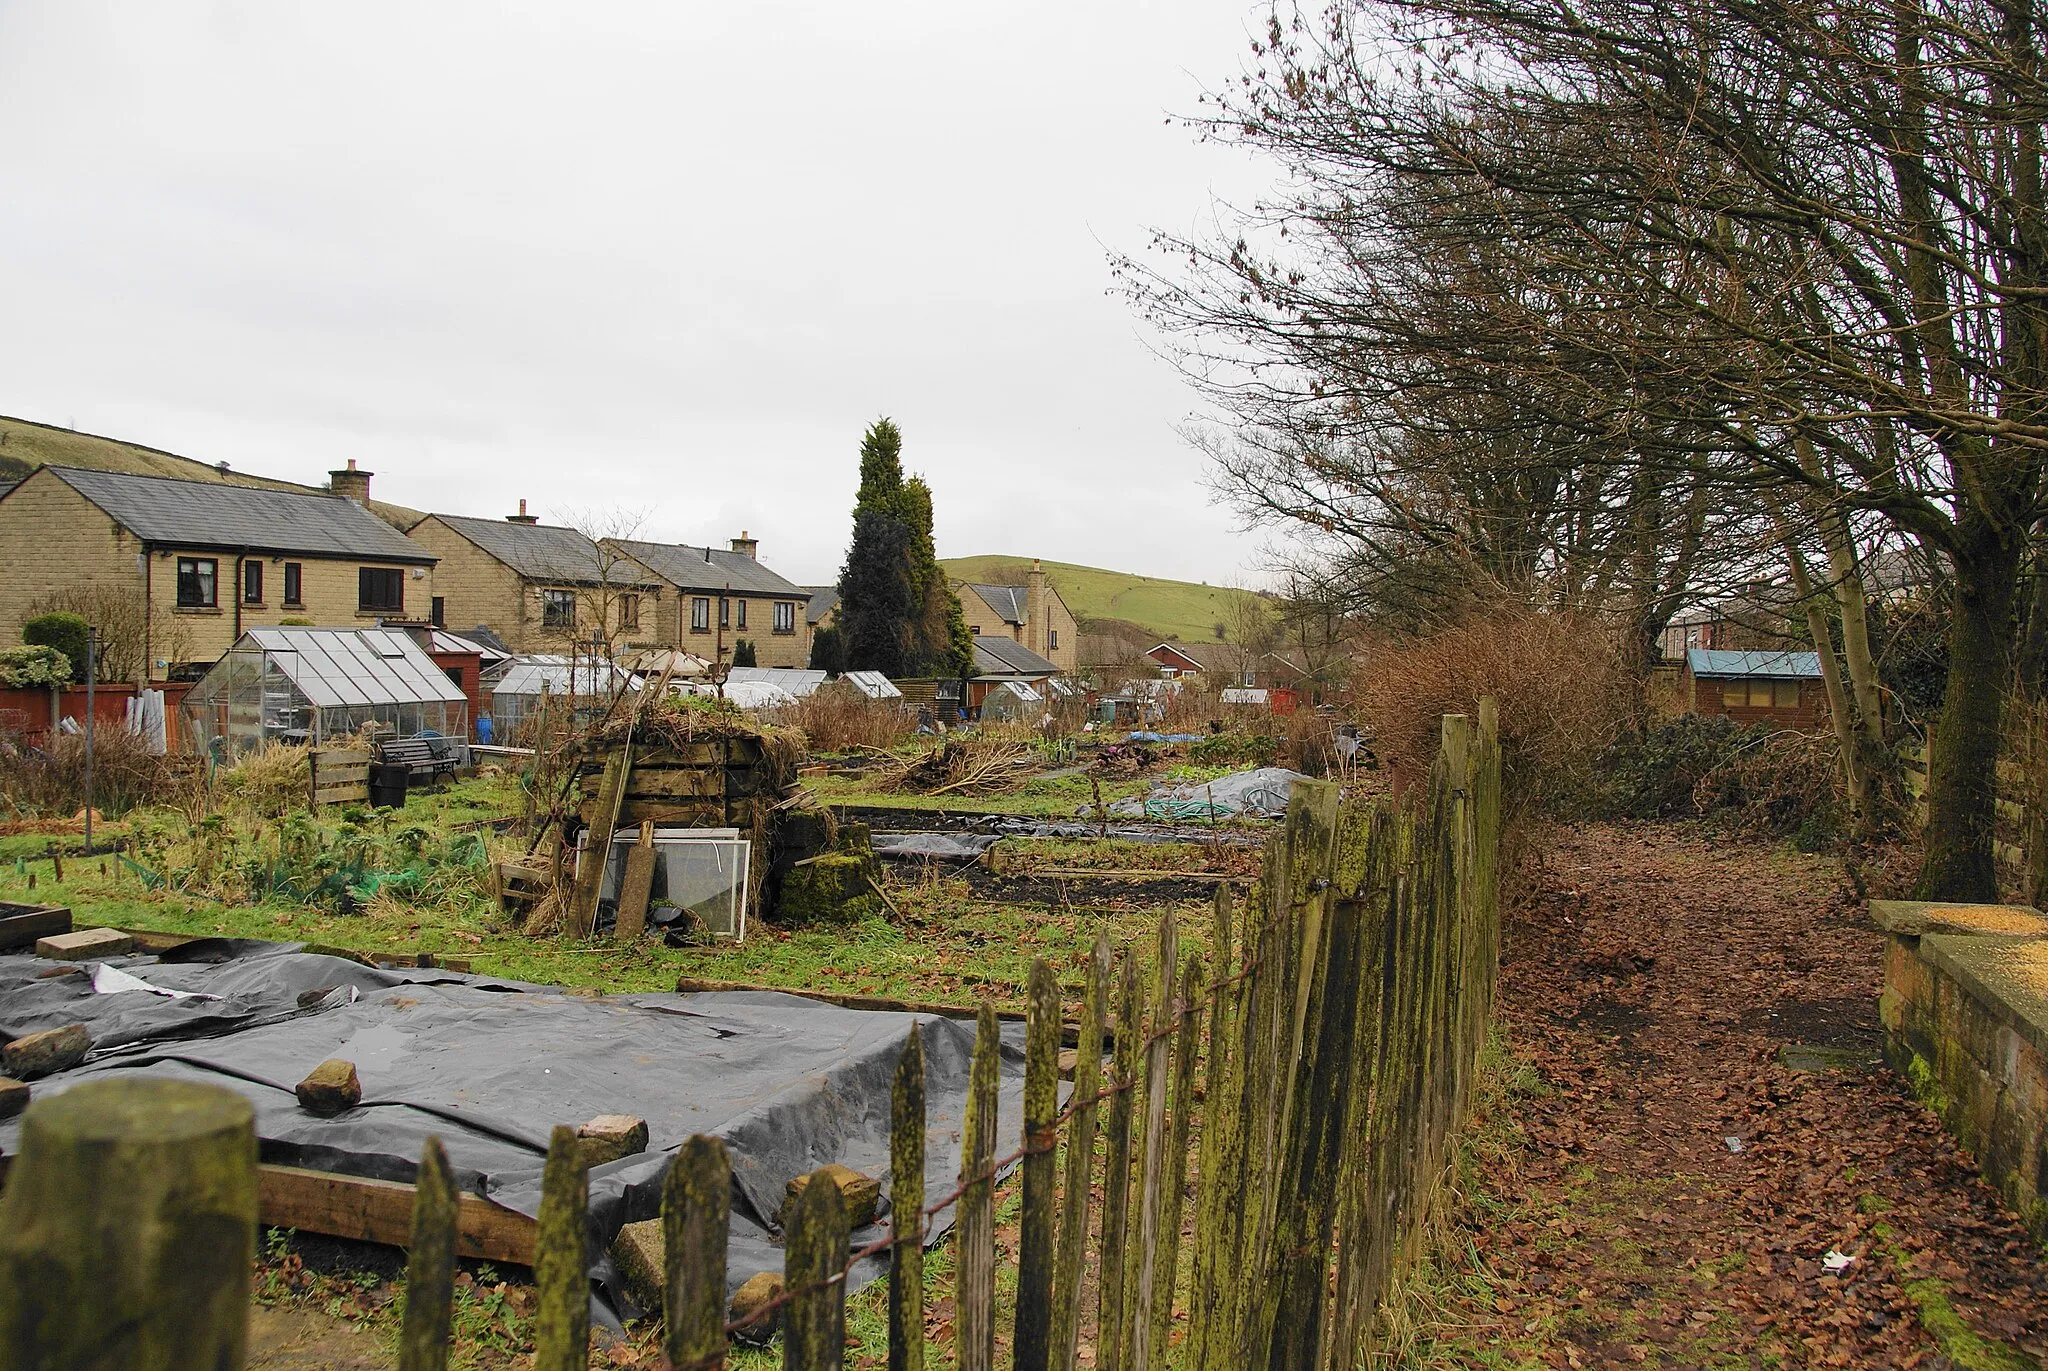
<point>1752,687</point>
<point>309,685</point>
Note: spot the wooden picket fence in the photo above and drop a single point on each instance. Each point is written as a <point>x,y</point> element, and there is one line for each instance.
<point>1313,1072</point>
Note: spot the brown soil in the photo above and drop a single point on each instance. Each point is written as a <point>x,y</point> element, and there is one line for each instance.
<point>1664,986</point>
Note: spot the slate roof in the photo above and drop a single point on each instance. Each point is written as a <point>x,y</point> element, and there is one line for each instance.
<point>1007,601</point>
<point>163,511</point>
<point>824,599</point>
<point>1723,662</point>
<point>995,656</point>
<point>699,568</point>
<point>544,552</point>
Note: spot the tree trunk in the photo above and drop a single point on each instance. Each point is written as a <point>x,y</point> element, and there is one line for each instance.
<point>1842,710</point>
<point>1962,772</point>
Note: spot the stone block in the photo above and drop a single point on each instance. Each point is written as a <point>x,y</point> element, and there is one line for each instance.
<point>53,1049</point>
<point>86,944</point>
<point>641,1257</point>
<point>761,1289</point>
<point>861,1194</point>
<point>330,1088</point>
<point>13,1096</point>
<point>609,1137</point>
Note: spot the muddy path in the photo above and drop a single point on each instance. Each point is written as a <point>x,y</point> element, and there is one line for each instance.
<point>1702,1119</point>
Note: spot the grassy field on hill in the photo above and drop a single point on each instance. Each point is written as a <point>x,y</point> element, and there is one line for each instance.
<point>1171,609</point>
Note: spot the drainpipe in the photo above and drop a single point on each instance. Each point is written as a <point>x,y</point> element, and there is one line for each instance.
<point>148,616</point>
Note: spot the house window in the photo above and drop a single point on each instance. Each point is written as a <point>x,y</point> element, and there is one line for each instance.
<point>700,614</point>
<point>1735,695</point>
<point>1760,694</point>
<point>1251,678</point>
<point>785,617</point>
<point>974,629</point>
<point>252,583</point>
<point>1785,694</point>
<point>629,611</point>
<point>380,590</point>
<point>1052,640</point>
<point>558,609</point>
<point>743,614</point>
<point>440,611</point>
<point>724,612</point>
<point>293,577</point>
<point>196,583</point>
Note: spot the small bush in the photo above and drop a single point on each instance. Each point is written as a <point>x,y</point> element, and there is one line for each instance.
<point>272,781</point>
<point>33,667</point>
<point>1652,772</point>
<point>62,631</point>
<point>1782,784</point>
<point>840,719</point>
<point>1562,689</point>
<point>49,781</point>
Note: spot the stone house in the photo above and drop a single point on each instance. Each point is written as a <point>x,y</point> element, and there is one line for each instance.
<point>186,567</point>
<point>714,597</point>
<point>1225,665</point>
<point>537,587</point>
<point>1032,614</point>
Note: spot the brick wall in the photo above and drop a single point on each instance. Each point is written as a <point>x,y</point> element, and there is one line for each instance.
<point>1710,696</point>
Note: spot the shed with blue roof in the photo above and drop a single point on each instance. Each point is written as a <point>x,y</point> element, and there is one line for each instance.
<point>1754,687</point>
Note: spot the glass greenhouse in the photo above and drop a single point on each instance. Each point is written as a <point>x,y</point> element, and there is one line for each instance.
<point>310,685</point>
<point>517,693</point>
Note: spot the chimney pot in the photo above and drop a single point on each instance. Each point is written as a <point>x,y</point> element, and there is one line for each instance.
<point>746,545</point>
<point>522,517</point>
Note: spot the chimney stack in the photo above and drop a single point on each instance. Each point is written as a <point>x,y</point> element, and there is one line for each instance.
<point>747,545</point>
<point>522,517</point>
<point>350,482</point>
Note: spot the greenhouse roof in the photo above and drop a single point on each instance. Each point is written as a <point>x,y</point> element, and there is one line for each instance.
<point>873,684</point>
<point>530,675</point>
<point>795,680</point>
<point>353,666</point>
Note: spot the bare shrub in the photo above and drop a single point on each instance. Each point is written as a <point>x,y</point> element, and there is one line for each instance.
<point>271,781</point>
<point>49,780</point>
<point>840,720</point>
<point>1559,679</point>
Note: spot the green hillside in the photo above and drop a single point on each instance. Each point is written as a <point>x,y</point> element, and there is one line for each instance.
<point>1169,609</point>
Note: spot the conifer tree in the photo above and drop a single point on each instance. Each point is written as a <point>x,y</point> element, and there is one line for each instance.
<point>897,614</point>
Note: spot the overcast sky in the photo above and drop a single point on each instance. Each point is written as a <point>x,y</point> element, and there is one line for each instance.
<point>669,256</point>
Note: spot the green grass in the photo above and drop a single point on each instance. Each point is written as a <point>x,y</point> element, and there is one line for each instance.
<point>1043,797</point>
<point>1171,609</point>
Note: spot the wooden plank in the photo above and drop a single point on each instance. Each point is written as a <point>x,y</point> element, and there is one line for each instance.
<point>1111,1350</point>
<point>381,1211</point>
<point>1072,1262</point>
<point>1153,1340</point>
<point>355,793</point>
<point>561,1263</point>
<point>598,843</point>
<point>635,886</point>
<point>693,985</point>
<point>336,758</point>
<point>676,785</point>
<point>696,1214</point>
<point>1140,1264</point>
<point>23,928</point>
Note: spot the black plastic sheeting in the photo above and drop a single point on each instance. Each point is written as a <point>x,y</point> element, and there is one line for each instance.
<point>492,1065</point>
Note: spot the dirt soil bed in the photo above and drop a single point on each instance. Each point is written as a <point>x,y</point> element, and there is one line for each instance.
<point>1679,999</point>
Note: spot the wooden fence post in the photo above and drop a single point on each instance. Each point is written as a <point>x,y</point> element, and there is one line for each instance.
<point>814,1253</point>
<point>1137,1316</point>
<point>1073,1250</point>
<point>974,1233</point>
<point>1031,1345</point>
<point>128,1229</point>
<point>1152,1336</point>
<point>1116,1176</point>
<point>696,1214</point>
<point>906,1207</point>
<point>561,1263</point>
<point>1221,1153</point>
<point>430,1266</point>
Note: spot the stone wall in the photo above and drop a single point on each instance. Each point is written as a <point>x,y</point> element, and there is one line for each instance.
<point>1965,1011</point>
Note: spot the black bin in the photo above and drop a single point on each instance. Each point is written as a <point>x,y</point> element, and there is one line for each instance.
<point>387,784</point>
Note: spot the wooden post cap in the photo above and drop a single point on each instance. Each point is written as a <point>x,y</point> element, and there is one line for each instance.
<point>330,1088</point>
<point>51,1050</point>
<point>128,1228</point>
<point>609,1137</point>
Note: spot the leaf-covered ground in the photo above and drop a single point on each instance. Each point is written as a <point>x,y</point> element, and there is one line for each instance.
<point>1698,1120</point>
